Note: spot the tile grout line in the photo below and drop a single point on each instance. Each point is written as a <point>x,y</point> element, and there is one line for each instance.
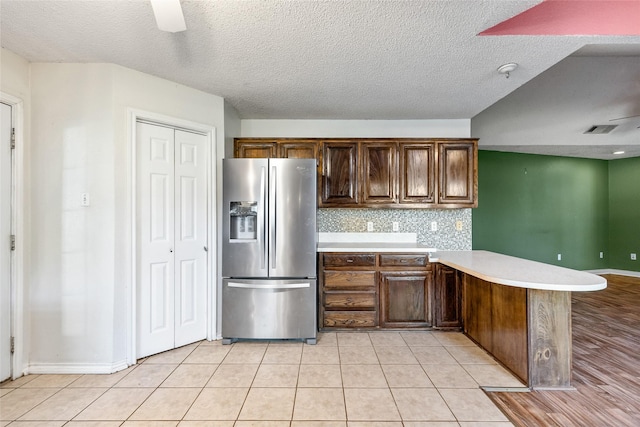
<point>203,387</point>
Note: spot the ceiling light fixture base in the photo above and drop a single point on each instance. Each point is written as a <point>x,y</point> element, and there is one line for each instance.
<point>506,69</point>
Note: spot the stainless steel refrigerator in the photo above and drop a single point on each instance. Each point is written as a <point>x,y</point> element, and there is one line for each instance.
<point>269,249</point>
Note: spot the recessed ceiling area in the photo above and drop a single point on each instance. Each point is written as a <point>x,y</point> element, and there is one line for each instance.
<point>343,59</point>
<point>551,113</point>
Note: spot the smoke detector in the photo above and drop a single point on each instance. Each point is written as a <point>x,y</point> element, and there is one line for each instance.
<point>506,69</point>
<point>600,129</point>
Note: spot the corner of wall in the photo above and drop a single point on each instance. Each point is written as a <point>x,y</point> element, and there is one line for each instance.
<point>232,128</point>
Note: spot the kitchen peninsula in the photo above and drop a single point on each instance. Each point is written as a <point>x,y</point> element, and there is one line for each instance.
<point>519,311</point>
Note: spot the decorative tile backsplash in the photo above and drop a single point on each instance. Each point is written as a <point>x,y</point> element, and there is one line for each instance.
<point>418,221</point>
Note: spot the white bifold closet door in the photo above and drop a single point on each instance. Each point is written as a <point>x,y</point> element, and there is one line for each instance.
<point>171,206</point>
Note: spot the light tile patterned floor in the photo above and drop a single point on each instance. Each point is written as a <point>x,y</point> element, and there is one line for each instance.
<point>357,379</point>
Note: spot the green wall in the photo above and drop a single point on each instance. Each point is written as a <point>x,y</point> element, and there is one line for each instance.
<point>624,213</point>
<point>537,207</point>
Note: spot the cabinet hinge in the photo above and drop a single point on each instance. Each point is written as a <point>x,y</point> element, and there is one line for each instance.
<point>12,244</point>
<point>13,138</point>
<point>13,345</point>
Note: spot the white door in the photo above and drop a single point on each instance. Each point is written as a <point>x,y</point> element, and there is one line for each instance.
<point>171,238</point>
<point>5,250</point>
<point>190,236</point>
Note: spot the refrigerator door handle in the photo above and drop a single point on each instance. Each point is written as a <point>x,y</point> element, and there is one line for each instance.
<point>273,215</point>
<point>261,215</point>
<point>269,286</point>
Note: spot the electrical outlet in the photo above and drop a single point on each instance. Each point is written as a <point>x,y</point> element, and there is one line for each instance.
<point>434,226</point>
<point>395,226</point>
<point>459,225</point>
<point>601,254</point>
<point>633,257</point>
<point>369,226</point>
<point>559,257</point>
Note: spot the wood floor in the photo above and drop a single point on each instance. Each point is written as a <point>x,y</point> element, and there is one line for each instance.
<point>606,365</point>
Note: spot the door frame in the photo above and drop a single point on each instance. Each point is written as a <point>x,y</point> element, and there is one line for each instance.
<point>133,115</point>
<point>18,364</point>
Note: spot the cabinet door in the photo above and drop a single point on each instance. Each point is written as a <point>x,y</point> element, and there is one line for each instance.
<point>457,183</point>
<point>417,173</point>
<point>255,149</point>
<point>448,297</point>
<point>404,299</point>
<point>298,150</point>
<point>340,173</point>
<point>379,172</point>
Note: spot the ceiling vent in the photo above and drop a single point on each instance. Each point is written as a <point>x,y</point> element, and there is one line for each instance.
<point>600,129</point>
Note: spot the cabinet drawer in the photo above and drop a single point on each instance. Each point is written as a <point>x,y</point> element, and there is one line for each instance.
<point>349,260</point>
<point>362,280</point>
<point>349,319</point>
<point>404,260</point>
<point>342,300</point>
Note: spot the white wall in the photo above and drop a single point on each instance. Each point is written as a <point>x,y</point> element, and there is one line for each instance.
<point>14,83</point>
<point>72,284</point>
<point>82,257</point>
<point>458,128</point>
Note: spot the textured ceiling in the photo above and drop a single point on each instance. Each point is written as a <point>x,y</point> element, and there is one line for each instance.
<point>272,59</point>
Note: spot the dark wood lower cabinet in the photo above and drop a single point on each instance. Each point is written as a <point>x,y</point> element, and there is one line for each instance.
<point>509,317</point>
<point>477,311</point>
<point>405,299</point>
<point>495,316</point>
<point>384,290</point>
<point>448,297</point>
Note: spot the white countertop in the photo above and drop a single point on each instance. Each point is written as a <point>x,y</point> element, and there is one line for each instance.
<point>489,266</point>
<point>374,247</point>
<point>522,273</point>
<point>371,242</point>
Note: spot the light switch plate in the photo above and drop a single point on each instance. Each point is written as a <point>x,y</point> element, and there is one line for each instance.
<point>84,199</point>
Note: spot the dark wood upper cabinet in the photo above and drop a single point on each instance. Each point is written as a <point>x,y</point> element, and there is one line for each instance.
<point>339,173</point>
<point>380,171</point>
<point>417,172</point>
<point>255,149</point>
<point>258,148</point>
<point>297,149</point>
<point>458,164</point>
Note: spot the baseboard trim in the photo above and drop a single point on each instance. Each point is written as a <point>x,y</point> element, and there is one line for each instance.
<point>614,271</point>
<point>75,368</point>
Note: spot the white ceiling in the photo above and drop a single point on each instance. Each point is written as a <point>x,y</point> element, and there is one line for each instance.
<point>339,59</point>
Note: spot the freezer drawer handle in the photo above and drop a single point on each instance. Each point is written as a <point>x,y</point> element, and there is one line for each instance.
<point>272,286</point>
